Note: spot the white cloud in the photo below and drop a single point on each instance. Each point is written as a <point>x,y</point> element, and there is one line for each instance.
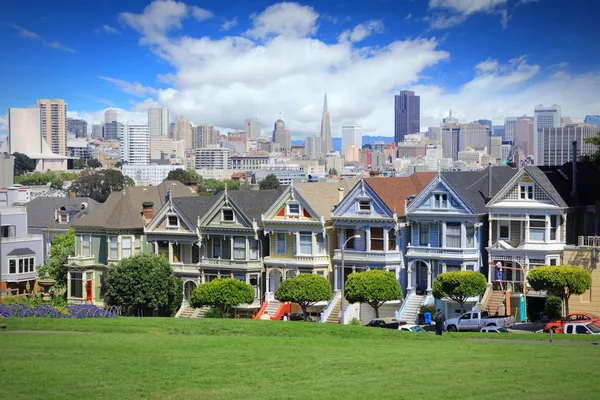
<point>408,17</point>
<point>32,35</point>
<point>467,7</point>
<point>228,24</point>
<point>201,14</point>
<point>109,30</point>
<point>158,18</point>
<point>223,81</point>
<point>361,31</point>
<point>290,20</point>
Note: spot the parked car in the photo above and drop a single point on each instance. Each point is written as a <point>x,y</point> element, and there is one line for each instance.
<point>494,329</point>
<point>475,320</point>
<point>557,325</point>
<point>581,328</point>
<point>388,323</point>
<point>411,328</point>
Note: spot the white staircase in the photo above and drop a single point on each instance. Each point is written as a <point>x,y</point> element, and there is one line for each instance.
<point>331,312</point>
<point>191,312</point>
<point>410,310</point>
<point>272,307</point>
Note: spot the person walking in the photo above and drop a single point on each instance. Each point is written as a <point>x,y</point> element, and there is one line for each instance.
<point>439,322</point>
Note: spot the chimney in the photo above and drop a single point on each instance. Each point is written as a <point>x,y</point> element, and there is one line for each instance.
<point>340,194</point>
<point>490,180</point>
<point>147,210</point>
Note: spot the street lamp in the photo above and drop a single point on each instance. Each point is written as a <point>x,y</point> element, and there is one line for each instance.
<point>342,278</point>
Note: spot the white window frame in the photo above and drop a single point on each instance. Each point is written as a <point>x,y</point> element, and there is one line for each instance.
<point>320,244</point>
<point>137,245</point>
<point>60,218</point>
<point>288,210</point>
<point>227,221</point>
<point>16,260</point>
<point>361,202</point>
<point>460,244</point>
<point>123,248</point>
<point>500,224</point>
<point>89,245</point>
<point>440,200</point>
<point>237,240</point>
<point>278,241</point>
<point>556,218</point>
<point>526,189</point>
<point>537,229</point>
<point>110,247</point>
<point>421,224</point>
<point>253,245</point>
<point>169,225</point>
<point>300,250</point>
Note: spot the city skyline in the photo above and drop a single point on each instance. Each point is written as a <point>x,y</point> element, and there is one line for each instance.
<point>443,70</point>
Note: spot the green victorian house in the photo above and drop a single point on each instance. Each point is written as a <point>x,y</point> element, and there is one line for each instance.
<point>112,232</point>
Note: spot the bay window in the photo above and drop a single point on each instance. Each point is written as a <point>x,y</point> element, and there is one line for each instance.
<point>138,245</point>
<point>470,236</point>
<point>377,239</point>
<point>537,228</point>
<point>114,247</point>
<point>217,242</point>
<point>392,240</point>
<point>239,248</point>
<point>305,243</point>
<point>86,241</point>
<point>77,285</point>
<point>126,247</point>
<point>453,234</point>
<point>553,226</point>
<point>320,243</point>
<point>253,249</point>
<point>226,248</point>
<point>350,234</point>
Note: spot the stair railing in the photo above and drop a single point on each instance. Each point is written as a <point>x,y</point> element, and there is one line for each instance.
<point>329,309</point>
<point>398,314</point>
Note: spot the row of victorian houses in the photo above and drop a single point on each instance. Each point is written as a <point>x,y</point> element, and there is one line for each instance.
<point>416,227</point>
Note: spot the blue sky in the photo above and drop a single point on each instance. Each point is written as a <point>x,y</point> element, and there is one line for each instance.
<point>221,62</point>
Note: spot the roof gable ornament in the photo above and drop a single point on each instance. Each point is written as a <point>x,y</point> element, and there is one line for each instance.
<point>226,196</point>
<point>293,191</point>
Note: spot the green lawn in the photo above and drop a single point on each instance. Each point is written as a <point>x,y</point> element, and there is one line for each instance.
<point>160,358</point>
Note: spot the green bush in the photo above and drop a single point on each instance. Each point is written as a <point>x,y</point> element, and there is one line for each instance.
<point>430,308</point>
<point>213,313</point>
<point>355,322</point>
<point>12,300</point>
<point>58,301</point>
<point>34,301</point>
<point>554,307</point>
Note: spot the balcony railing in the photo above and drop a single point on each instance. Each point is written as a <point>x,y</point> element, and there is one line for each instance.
<point>24,238</point>
<point>82,261</point>
<point>440,251</point>
<point>12,210</point>
<point>229,263</point>
<point>27,276</point>
<point>589,241</point>
<point>372,255</point>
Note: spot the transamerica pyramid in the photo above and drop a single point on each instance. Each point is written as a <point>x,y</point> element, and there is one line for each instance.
<point>326,144</point>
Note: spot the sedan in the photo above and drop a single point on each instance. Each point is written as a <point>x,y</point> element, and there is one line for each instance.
<point>494,329</point>
<point>411,328</point>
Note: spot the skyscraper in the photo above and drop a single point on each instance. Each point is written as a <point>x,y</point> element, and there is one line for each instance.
<point>158,121</point>
<point>54,121</point>
<point>252,129</point>
<point>135,144</point>
<point>558,143</point>
<point>205,135</point>
<point>183,131</point>
<point>110,115</point>
<point>77,127</point>
<point>113,130</point>
<point>284,137</point>
<point>509,129</point>
<point>351,135</point>
<point>313,147</point>
<point>407,114</point>
<point>523,135</point>
<point>544,117</point>
<point>326,142</point>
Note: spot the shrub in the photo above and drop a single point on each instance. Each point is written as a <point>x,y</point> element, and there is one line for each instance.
<point>213,313</point>
<point>304,290</point>
<point>553,307</point>
<point>459,286</point>
<point>355,322</point>
<point>223,294</point>
<point>430,308</point>
<point>373,287</point>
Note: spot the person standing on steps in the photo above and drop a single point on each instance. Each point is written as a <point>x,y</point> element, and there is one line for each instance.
<point>499,275</point>
<point>439,322</point>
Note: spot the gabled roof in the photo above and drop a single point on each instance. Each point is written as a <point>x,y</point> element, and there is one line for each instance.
<point>194,208</point>
<point>395,191</point>
<point>254,203</point>
<point>21,251</point>
<point>40,211</point>
<point>472,186</point>
<point>561,179</point>
<point>123,210</point>
<point>324,196</point>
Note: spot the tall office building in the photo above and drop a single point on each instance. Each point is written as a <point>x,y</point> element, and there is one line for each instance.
<point>284,137</point>
<point>434,133</point>
<point>252,129</point>
<point>77,127</point>
<point>205,135</point>
<point>558,143</point>
<point>113,130</point>
<point>496,148</point>
<point>110,115</point>
<point>450,137</point>
<point>135,144</point>
<point>158,121</point>
<point>54,124</point>
<point>97,131</point>
<point>183,131</point>
<point>326,141</point>
<point>474,135</point>
<point>509,129</point>
<point>544,117</point>
<point>407,114</point>
<point>351,135</point>
<point>313,147</point>
<point>523,137</point>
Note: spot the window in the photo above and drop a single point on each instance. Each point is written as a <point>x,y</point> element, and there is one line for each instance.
<point>553,261</point>
<point>228,215</point>
<point>570,329</point>
<point>138,245</point>
<point>172,221</point>
<point>86,245</point>
<point>377,239</point>
<point>280,243</point>
<point>470,236</point>
<point>253,249</point>
<point>581,329</point>
<point>195,254</point>
<point>364,206</point>
<point>9,231</point>
<point>76,284</point>
<point>240,277</point>
<point>126,247</point>
<point>526,192</point>
<point>453,234</point>
<point>537,228</point>
<point>217,242</point>
<point>391,240</point>
<point>63,218</point>
<point>305,243</point>
<point>350,234</point>
<point>553,226</point>
<point>441,200</point>
<point>423,234</point>
<point>504,233</point>
<point>12,266</point>
<point>226,248</point>
<point>470,267</point>
<point>239,249</point>
<point>32,264</point>
<point>320,243</point>
<point>114,247</point>
<point>293,209</point>
<point>21,266</point>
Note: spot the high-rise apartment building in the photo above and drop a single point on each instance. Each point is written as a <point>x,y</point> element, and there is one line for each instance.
<point>113,130</point>
<point>205,135</point>
<point>558,143</point>
<point>496,148</point>
<point>351,136</point>
<point>213,158</point>
<point>252,129</point>
<point>474,135</point>
<point>183,131</point>
<point>434,133</point>
<point>284,137</point>
<point>326,141</point>
<point>313,147</point>
<point>135,144</point>
<point>509,129</point>
<point>77,127</point>
<point>450,140</point>
<point>523,137</point>
<point>158,121</point>
<point>407,114</point>
<point>54,124</point>
<point>544,117</point>
<point>97,131</point>
<point>110,115</point>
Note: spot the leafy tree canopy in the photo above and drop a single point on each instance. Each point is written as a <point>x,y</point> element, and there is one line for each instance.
<point>564,280</point>
<point>56,179</point>
<point>595,140</point>
<point>94,163</point>
<point>184,176</point>
<point>62,247</point>
<point>222,293</point>
<point>270,182</point>
<point>23,163</point>
<point>459,286</point>
<point>304,290</point>
<point>373,287</point>
<point>144,284</point>
<point>207,187</point>
<point>99,184</point>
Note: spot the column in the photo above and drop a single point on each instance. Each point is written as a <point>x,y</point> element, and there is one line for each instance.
<point>526,228</point>
<point>155,247</point>
<point>202,276</point>
<point>368,239</point>
<point>443,241</point>
<point>170,251</point>
<point>429,273</point>
<point>297,239</point>
<point>463,235</point>
<point>490,223</point>
<point>336,277</point>
<point>386,247</point>
<point>547,235</point>
<point>68,284</point>
<point>268,280</point>
<point>409,286</point>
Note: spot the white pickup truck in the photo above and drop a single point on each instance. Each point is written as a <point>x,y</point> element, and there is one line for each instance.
<point>475,320</point>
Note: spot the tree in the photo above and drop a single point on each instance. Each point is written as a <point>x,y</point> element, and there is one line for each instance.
<point>373,287</point>
<point>333,171</point>
<point>94,163</point>
<point>62,247</point>
<point>270,182</point>
<point>144,284</point>
<point>459,286</point>
<point>183,176</point>
<point>80,164</point>
<point>304,290</point>
<point>595,140</point>
<point>99,184</point>
<point>564,280</point>
<point>223,294</point>
<point>207,187</point>
<point>23,163</point>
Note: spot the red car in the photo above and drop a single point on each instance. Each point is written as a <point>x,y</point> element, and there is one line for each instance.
<point>557,325</point>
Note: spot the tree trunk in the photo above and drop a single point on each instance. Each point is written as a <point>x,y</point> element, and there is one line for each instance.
<point>376,308</point>
<point>462,306</point>
<point>223,310</point>
<point>304,312</point>
<point>566,303</point>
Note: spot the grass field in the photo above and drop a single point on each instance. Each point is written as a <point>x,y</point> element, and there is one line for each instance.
<point>156,358</point>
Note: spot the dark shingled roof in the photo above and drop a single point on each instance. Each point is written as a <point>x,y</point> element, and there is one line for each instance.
<point>194,208</point>
<point>254,203</point>
<point>23,251</point>
<point>588,177</point>
<point>40,211</point>
<point>540,177</point>
<point>472,186</point>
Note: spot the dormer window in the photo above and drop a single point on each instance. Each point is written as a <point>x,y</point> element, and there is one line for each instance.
<point>293,209</point>
<point>440,200</point>
<point>172,221</point>
<point>227,215</point>
<point>364,206</point>
<point>526,192</point>
<point>63,218</point>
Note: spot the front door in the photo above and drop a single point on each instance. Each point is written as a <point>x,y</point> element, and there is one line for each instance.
<point>274,280</point>
<point>421,277</point>
<point>88,290</point>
